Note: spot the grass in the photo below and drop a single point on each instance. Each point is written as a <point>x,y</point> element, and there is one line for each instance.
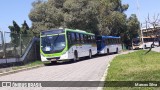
<point>134,66</point>
<point>31,64</point>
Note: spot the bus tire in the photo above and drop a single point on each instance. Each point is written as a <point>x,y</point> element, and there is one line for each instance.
<point>152,46</point>
<point>145,47</point>
<point>75,56</point>
<point>107,51</point>
<point>90,54</point>
<point>116,50</point>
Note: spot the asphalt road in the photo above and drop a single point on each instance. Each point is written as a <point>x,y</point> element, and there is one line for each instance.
<point>83,70</point>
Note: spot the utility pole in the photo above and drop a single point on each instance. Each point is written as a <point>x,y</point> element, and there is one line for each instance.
<point>138,13</point>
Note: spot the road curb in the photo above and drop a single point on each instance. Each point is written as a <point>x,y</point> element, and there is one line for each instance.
<point>19,70</point>
<point>104,76</point>
<point>107,67</point>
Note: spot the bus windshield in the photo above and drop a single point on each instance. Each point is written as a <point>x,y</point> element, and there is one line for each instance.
<point>136,41</point>
<point>53,44</point>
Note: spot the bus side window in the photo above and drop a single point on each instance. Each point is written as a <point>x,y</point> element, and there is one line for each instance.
<point>91,39</point>
<point>106,41</point>
<point>144,39</point>
<point>113,41</point>
<point>77,37</point>
<point>116,40</point>
<point>119,41</point>
<point>88,37</point>
<point>75,41</point>
<point>149,39</point>
<point>82,39</point>
<point>94,39</point>
<point>72,38</point>
<point>110,41</point>
<point>69,37</point>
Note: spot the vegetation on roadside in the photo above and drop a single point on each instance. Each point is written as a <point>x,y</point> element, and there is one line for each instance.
<point>31,64</point>
<point>135,66</point>
<point>16,30</point>
<point>102,17</point>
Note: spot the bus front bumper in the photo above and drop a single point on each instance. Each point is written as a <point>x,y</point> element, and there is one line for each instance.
<point>50,59</point>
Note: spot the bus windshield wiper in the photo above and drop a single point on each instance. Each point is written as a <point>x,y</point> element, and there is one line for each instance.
<point>55,41</point>
<point>46,40</point>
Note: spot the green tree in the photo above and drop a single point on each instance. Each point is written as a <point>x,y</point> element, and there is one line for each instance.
<point>132,30</point>
<point>102,17</point>
<point>90,15</point>
<point>11,28</point>
<point>78,14</point>
<point>16,27</point>
<point>133,26</point>
<point>81,14</point>
<point>24,28</point>
<point>16,30</point>
<point>14,38</point>
<point>112,17</point>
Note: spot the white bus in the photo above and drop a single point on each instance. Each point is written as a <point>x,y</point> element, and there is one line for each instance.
<point>137,43</point>
<point>63,44</point>
<point>149,41</point>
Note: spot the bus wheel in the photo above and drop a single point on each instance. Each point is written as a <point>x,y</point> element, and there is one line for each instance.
<point>117,50</point>
<point>90,54</point>
<point>145,46</point>
<point>75,56</point>
<point>152,46</point>
<point>107,51</point>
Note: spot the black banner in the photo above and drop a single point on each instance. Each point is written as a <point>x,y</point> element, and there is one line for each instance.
<point>79,84</point>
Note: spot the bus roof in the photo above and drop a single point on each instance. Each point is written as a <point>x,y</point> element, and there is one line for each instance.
<point>80,31</point>
<point>110,37</point>
<point>58,31</point>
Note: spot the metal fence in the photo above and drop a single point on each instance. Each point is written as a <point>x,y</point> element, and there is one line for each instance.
<point>13,45</point>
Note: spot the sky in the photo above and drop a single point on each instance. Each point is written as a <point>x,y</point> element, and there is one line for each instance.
<point>146,7</point>
<point>18,10</point>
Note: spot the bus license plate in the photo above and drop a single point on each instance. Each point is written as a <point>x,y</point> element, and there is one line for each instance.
<point>53,59</point>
